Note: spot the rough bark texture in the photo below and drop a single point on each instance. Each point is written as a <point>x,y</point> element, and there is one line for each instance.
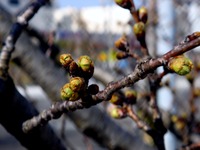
<point>14,110</point>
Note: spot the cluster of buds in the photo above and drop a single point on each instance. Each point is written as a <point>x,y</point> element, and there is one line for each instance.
<point>180,65</point>
<point>81,72</point>
<point>128,97</point>
<point>83,68</point>
<point>72,91</point>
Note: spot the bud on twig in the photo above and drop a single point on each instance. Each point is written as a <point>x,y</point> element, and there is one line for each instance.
<point>68,94</point>
<point>93,89</point>
<point>127,4</point>
<point>143,14</point>
<point>131,96</point>
<point>180,65</point>
<point>65,59</point>
<point>122,44</point>
<point>139,30</point>
<point>116,99</point>
<point>77,84</point>
<point>73,69</point>
<point>86,65</point>
<point>121,55</point>
<point>116,112</point>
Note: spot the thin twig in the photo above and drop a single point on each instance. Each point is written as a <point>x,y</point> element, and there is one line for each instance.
<point>141,71</point>
<point>16,30</point>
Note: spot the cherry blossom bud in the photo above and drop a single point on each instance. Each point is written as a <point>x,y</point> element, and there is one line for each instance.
<point>65,59</point>
<point>180,65</point>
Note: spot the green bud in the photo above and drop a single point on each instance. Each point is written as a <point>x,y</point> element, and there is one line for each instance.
<point>65,59</point>
<point>180,65</point>
<point>116,112</point>
<point>66,92</point>
<point>127,4</point>
<point>86,65</point>
<point>139,29</point>
<point>143,14</point>
<point>77,84</point>
<point>131,96</point>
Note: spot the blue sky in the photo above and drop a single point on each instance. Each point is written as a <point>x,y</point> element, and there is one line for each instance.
<point>78,3</point>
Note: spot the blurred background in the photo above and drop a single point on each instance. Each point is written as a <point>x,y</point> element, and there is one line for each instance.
<point>90,28</point>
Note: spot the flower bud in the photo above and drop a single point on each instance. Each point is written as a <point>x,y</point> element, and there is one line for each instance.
<point>66,92</point>
<point>65,59</point>
<point>180,65</point>
<point>131,96</point>
<point>73,69</point>
<point>139,30</point>
<point>116,112</point>
<point>122,44</point>
<point>196,92</point>
<point>127,4</point>
<point>93,89</point>
<point>77,84</point>
<point>86,65</point>
<point>143,14</point>
<point>116,99</point>
<point>121,55</point>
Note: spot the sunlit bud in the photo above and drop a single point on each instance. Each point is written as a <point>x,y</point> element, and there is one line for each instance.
<point>121,55</point>
<point>77,84</point>
<point>122,44</point>
<point>116,112</point>
<point>86,65</point>
<point>131,96</point>
<point>93,89</point>
<point>65,59</point>
<point>180,65</point>
<point>143,14</point>
<point>127,4</point>
<point>66,92</point>
<point>139,30</point>
<point>116,99</point>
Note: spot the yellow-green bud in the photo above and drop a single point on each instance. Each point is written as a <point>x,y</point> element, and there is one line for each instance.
<point>86,65</point>
<point>122,44</point>
<point>139,29</point>
<point>116,112</point>
<point>66,92</point>
<point>127,4</point>
<point>65,59</point>
<point>143,14</point>
<point>77,84</point>
<point>116,99</point>
<point>180,65</point>
<point>131,96</point>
